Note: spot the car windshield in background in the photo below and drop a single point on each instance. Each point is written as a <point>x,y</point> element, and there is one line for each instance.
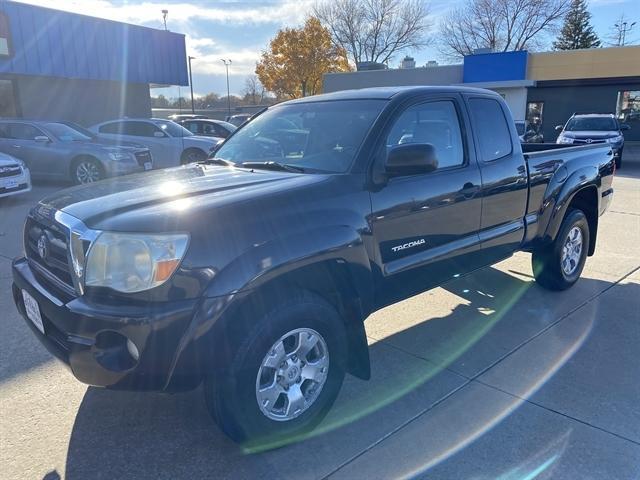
<point>174,129</point>
<point>66,133</point>
<point>315,136</point>
<point>581,124</point>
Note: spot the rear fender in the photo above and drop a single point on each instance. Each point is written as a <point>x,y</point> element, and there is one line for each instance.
<point>559,196</point>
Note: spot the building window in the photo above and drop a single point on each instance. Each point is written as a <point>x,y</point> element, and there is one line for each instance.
<point>5,36</point>
<point>534,114</point>
<point>8,102</point>
<point>628,107</point>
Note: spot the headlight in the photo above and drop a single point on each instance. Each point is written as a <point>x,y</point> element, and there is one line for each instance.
<point>120,156</point>
<point>617,139</point>
<point>563,139</point>
<point>133,262</point>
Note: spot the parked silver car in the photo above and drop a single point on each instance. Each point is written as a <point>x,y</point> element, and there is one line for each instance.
<point>170,144</point>
<point>64,151</point>
<point>14,176</point>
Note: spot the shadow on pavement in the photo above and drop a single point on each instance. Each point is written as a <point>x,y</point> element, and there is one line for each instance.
<point>143,435</point>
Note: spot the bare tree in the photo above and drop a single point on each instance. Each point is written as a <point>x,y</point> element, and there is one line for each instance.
<point>501,25</point>
<point>375,30</point>
<point>253,89</point>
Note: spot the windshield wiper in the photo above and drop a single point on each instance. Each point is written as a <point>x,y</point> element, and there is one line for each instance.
<point>283,167</point>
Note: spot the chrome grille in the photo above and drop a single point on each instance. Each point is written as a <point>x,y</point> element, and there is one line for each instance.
<point>10,171</point>
<point>53,239</point>
<point>589,141</point>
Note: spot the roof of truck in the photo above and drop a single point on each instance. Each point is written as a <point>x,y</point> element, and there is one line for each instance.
<point>386,93</point>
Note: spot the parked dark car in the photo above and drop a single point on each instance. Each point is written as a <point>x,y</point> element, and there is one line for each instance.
<point>253,272</point>
<point>64,151</point>
<point>209,127</point>
<point>594,128</point>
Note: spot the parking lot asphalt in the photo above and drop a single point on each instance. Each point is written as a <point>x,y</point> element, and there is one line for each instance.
<point>489,376</point>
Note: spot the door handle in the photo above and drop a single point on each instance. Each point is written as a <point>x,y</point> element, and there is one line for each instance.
<point>469,190</point>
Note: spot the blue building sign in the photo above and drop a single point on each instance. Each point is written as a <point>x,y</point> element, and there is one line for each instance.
<point>44,42</point>
<point>495,67</point>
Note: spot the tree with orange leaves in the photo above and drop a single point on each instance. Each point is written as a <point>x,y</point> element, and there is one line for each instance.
<point>296,59</point>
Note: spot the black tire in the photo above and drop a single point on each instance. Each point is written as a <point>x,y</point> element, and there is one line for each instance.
<point>86,164</point>
<point>192,155</point>
<point>619,161</point>
<point>230,393</point>
<point>547,262</point>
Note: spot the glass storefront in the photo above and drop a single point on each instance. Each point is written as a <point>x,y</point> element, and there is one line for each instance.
<point>628,107</point>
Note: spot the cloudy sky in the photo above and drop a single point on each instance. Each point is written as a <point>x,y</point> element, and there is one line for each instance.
<point>240,30</point>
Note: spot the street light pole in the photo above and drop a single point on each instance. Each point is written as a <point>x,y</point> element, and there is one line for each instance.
<point>193,109</point>
<point>226,64</point>
<point>165,12</point>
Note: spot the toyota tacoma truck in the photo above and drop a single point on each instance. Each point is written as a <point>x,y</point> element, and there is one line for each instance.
<point>252,272</point>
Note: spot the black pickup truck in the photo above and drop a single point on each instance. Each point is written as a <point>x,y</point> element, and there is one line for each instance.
<point>253,272</point>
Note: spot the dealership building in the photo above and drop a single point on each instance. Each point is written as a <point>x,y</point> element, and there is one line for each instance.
<point>64,66</point>
<point>544,88</point>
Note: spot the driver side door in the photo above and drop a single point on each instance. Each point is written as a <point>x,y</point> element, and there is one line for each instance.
<point>425,226</point>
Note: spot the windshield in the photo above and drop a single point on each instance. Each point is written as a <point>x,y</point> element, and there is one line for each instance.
<point>603,124</point>
<point>317,136</point>
<point>173,129</point>
<point>67,133</point>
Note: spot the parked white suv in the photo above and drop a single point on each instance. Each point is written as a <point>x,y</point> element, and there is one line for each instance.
<point>170,144</point>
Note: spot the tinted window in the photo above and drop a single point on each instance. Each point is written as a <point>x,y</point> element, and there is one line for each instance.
<point>602,124</point>
<point>192,126</point>
<point>435,123</point>
<point>172,128</point>
<point>491,128</point>
<point>115,127</point>
<point>139,129</point>
<point>23,131</point>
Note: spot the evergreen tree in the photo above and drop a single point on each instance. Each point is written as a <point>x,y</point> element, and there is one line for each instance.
<point>577,31</point>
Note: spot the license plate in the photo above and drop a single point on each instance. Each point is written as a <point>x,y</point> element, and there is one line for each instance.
<point>148,166</point>
<point>33,310</point>
<point>10,183</point>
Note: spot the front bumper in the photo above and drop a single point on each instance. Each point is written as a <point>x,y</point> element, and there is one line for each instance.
<point>90,338</point>
<point>15,184</point>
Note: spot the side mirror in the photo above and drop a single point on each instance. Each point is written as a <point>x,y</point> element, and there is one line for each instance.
<point>625,126</point>
<point>411,159</point>
<point>42,139</point>
<point>159,134</point>
<point>558,128</point>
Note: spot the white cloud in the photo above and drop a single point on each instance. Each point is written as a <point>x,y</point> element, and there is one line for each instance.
<point>180,14</point>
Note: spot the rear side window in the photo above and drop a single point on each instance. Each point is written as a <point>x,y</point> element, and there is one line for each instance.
<point>115,127</point>
<point>23,131</point>
<point>140,129</point>
<point>491,126</point>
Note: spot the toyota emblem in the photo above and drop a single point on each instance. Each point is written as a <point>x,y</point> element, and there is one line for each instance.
<point>589,140</point>
<point>43,247</point>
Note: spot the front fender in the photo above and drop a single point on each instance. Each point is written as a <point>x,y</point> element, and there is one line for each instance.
<point>559,195</point>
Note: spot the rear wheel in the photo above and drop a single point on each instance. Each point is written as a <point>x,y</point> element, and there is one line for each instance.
<point>282,378</point>
<point>559,265</point>
<point>86,170</point>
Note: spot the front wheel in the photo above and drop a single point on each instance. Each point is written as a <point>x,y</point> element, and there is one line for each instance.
<point>559,265</point>
<point>619,160</point>
<point>283,377</point>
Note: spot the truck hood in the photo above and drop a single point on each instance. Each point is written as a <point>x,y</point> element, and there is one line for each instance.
<point>161,193</point>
